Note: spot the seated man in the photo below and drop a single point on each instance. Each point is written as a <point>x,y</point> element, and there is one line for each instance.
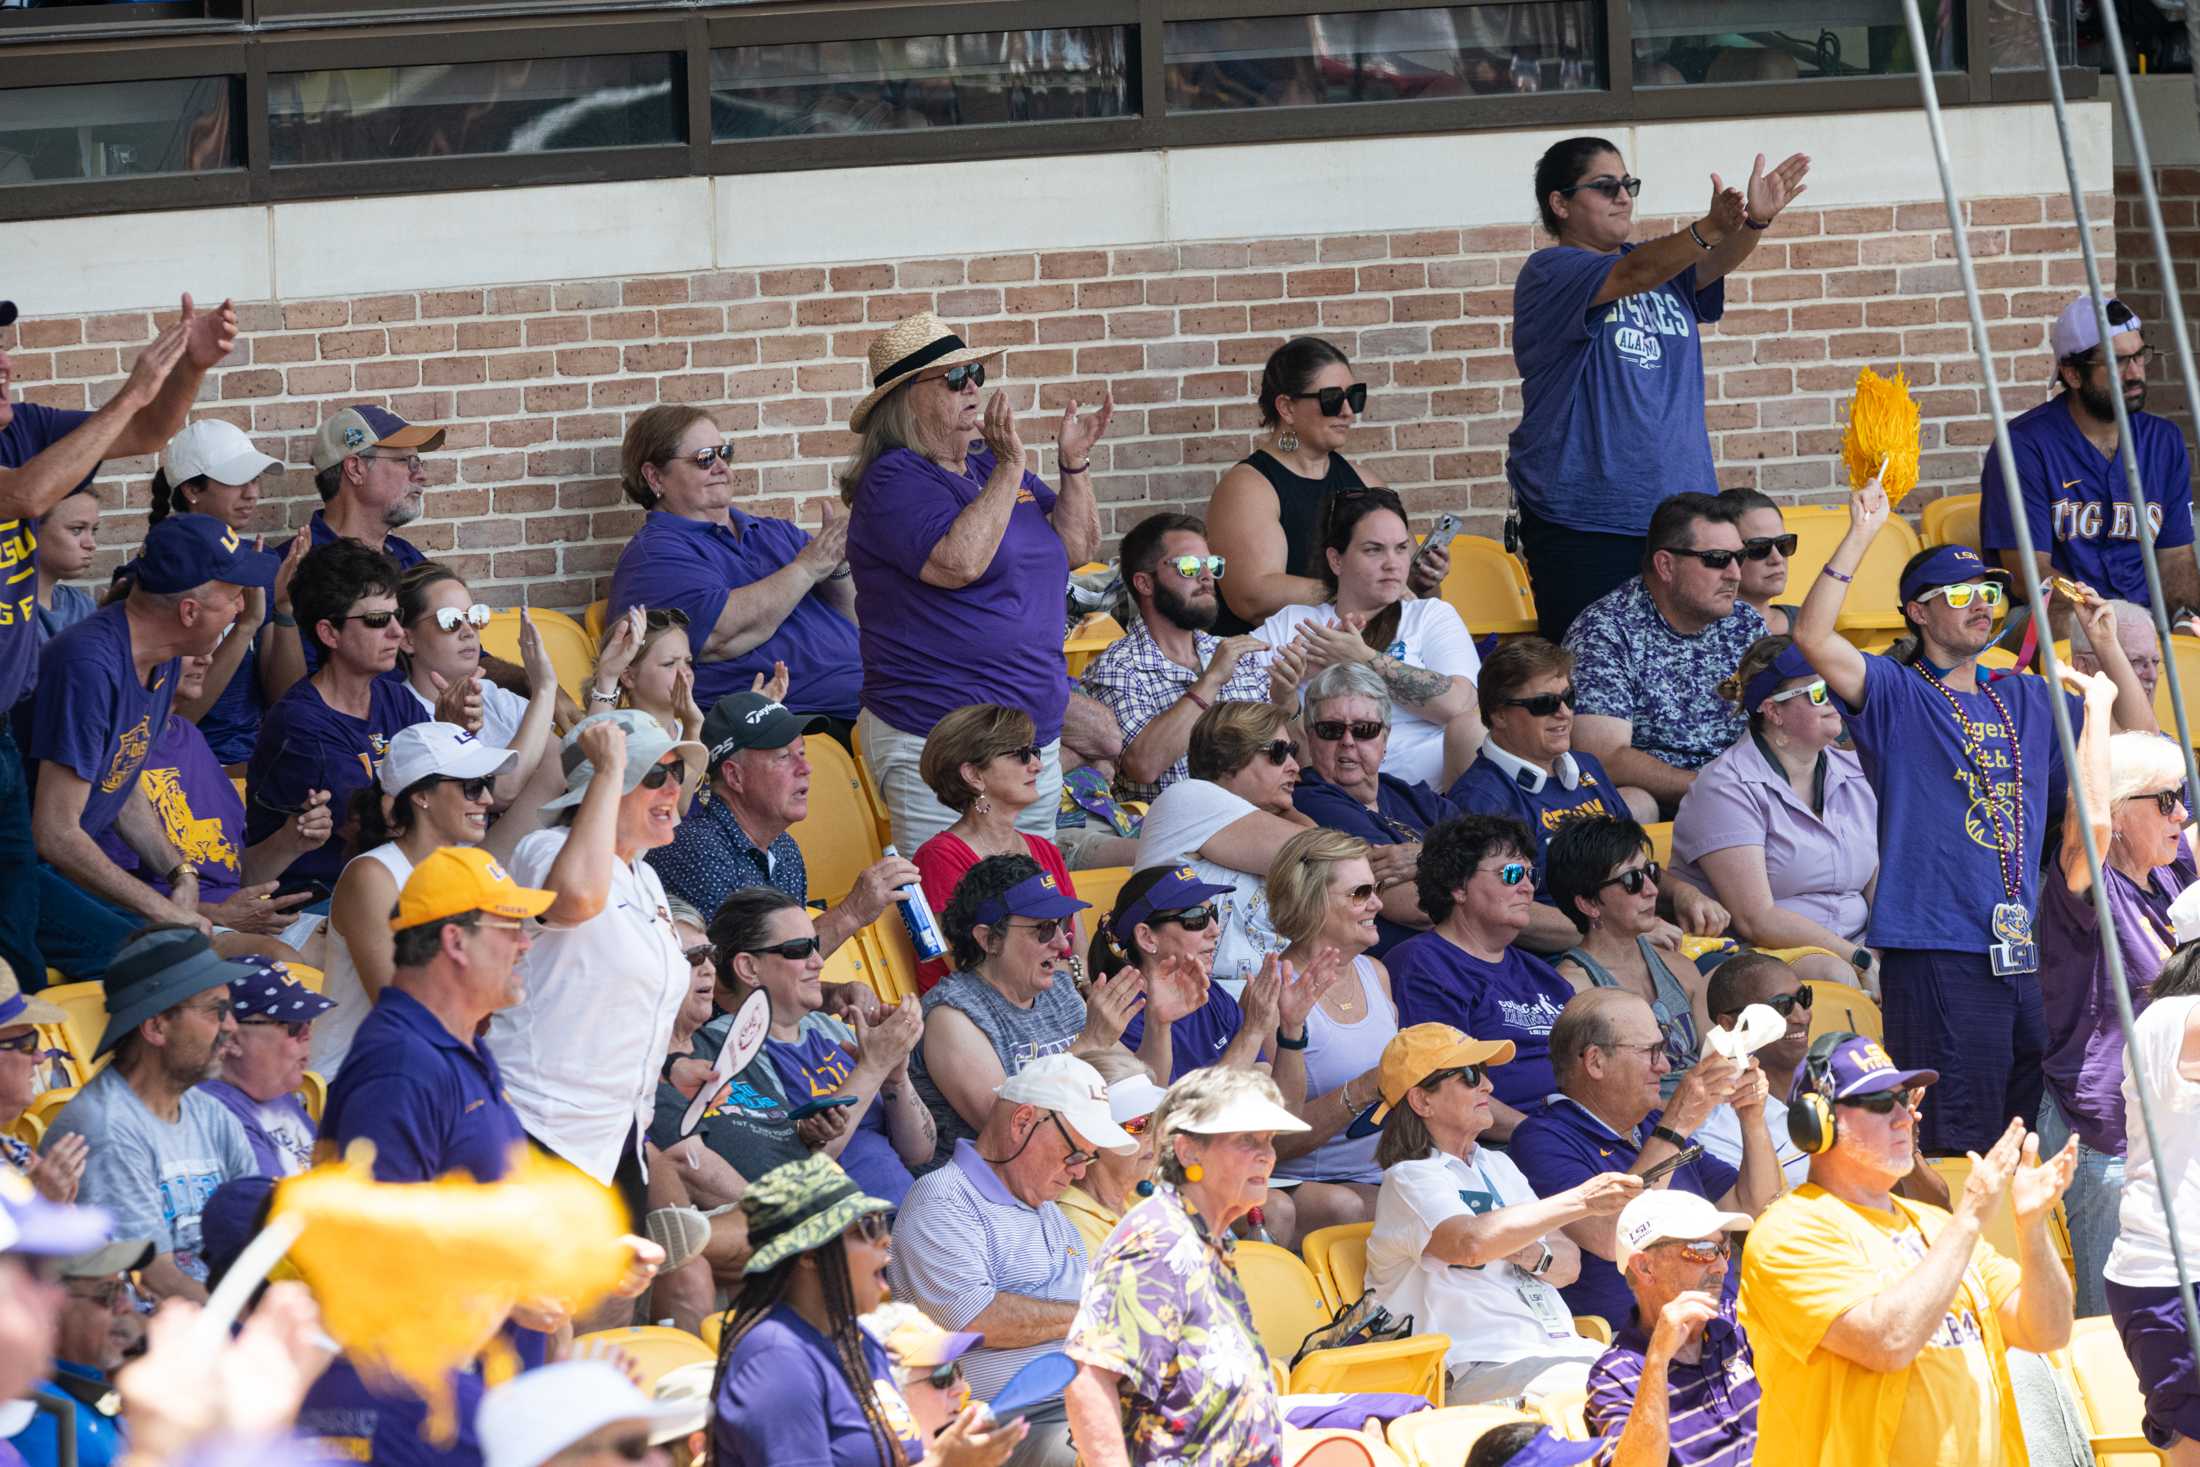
<point>981,1245</point>
<point>1608,1055</point>
<point>104,692</point>
<point>1677,1386</point>
<point>2071,472</point>
<point>2135,634</point>
<point>760,786</point>
<point>266,1065</point>
<point>1760,978</point>
<point>1649,657</point>
<point>1169,667</point>
<point>158,1145</point>
<point>1870,1314</point>
<point>99,1329</point>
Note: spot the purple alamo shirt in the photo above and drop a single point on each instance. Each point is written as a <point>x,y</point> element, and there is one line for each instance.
<point>2085,1044</point>
<point>927,650</point>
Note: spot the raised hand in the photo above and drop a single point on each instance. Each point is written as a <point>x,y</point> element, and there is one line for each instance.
<point>208,338</point>
<point>60,1167</point>
<point>1287,670</point>
<point>773,687</point>
<point>1701,1091</point>
<point>620,647</point>
<point>285,573</point>
<point>999,431</point>
<point>1176,987</point>
<point>972,1439</point>
<point>603,745</point>
<point>534,657</point>
<point>150,373</point>
<point>1729,212</point>
<point>314,823</point>
<point>1073,441</point>
<point>828,548</point>
<point>1679,1321</point>
<point>1302,990</point>
<point>1426,577</point>
<point>1328,643</point>
<point>887,1044</point>
<point>683,701</point>
<point>1262,1000</point>
<point>1605,1193</point>
<point>1229,652</point>
<point>458,702</point>
<point>2035,1185</point>
<point>1769,193</point>
<point>1750,1091</point>
<point>1868,507</point>
<point>1109,1004</point>
<point>878,884</point>
<point>1990,1173</point>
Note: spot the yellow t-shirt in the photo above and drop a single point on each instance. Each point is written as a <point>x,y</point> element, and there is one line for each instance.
<point>1093,1219</point>
<point>1810,1259</point>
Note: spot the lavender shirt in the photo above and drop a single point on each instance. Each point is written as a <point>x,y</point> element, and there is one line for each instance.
<point>2085,1042</point>
<point>1818,865</point>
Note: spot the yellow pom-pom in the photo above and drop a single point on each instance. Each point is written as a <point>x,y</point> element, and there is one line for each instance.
<point>1882,426</point>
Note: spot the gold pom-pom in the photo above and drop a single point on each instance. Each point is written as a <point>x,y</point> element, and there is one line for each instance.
<point>1882,426</point>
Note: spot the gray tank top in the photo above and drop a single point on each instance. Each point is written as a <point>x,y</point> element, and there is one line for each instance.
<point>1675,1015</point>
<point>1018,1036</point>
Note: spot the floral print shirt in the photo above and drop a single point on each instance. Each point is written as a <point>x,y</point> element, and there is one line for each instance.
<point>1629,663</point>
<point>1169,1316</point>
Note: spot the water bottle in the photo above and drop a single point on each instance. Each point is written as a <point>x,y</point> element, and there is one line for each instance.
<point>1258,1227</point>
<point>916,914</point>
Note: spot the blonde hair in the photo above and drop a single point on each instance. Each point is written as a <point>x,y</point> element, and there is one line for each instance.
<point>1298,879</point>
<point>1230,736</point>
<point>2142,764</point>
<point>1193,1100</point>
<point>891,424</point>
<point>1115,1063</point>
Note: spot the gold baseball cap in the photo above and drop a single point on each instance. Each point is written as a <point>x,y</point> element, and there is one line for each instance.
<point>455,880</point>
<point>1418,1052</point>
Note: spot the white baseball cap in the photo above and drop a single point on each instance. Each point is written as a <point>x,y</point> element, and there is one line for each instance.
<point>423,749</point>
<point>533,1417</point>
<point>1072,1089</point>
<point>216,450</point>
<point>2078,328</point>
<point>1668,1216</point>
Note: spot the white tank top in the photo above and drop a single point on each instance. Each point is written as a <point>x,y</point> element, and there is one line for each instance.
<point>2154,1184</point>
<point>1335,1053</point>
<point>332,1032</point>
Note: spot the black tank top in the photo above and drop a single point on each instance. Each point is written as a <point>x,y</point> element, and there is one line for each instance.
<point>1299,503</point>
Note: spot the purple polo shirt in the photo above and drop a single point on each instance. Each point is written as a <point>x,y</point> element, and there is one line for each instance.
<point>1711,1400</point>
<point>429,1103</point>
<point>94,714</point>
<point>1404,811</point>
<point>307,745</point>
<point>1436,981</point>
<point>31,431</point>
<point>690,566</point>
<point>927,650</point>
<point>1817,861</point>
<point>1486,789</point>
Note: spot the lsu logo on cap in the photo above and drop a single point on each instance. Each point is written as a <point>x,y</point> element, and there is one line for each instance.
<point>1872,1057</point>
<point>1047,883</point>
<point>1185,873</point>
<point>229,541</point>
<point>494,871</point>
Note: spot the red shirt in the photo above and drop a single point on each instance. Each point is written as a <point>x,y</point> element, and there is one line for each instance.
<point>943,861</point>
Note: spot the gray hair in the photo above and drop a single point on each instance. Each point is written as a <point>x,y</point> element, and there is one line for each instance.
<point>1195,1098</point>
<point>2127,613</point>
<point>1348,680</point>
<point>682,912</point>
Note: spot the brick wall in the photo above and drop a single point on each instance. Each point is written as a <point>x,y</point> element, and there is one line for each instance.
<point>2142,287</point>
<point>536,382</point>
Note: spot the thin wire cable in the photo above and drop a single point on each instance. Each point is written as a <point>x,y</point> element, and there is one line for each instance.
<point>2111,950</point>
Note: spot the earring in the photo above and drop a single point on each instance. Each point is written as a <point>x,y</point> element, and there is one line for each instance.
<point>1144,1189</point>
<point>1288,441</point>
<point>984,806</point>
<point>1194,1172</point>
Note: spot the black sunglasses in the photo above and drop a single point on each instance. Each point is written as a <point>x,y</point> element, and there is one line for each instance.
<point>374,619</point>
<point>1022,754</point>
<point>1760,547</point>
<point>296,1031</point>
<point>697,956</point>
<point>629,1448</point>
<point>1634,878</point>
<point>1542,705</point>
<point>1191,919</point>
<point>794,950</point>
<point>1611,188</point>
<point>943,1377</point>
<point>972,373</point>
<point>1329,730</point>
<point>1884,1101</point>
<point>2165,801</point>
<point>472,789</point>
<point>1472,1074</point>
<point>1045,929</point>
<point>1784,1004</point>
<point>659,773</point>
<point>1333,399</point>
<point>1716,559</point>
<point>1281,750</point>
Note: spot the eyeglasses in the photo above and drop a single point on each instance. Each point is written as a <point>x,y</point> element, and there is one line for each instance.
<point>451,618</point>
<point>1715,559</point>
<point>1700,1250</point>
<point>2142,359</point>
<point>1815,691</point>
<point>698,956</point>
<point>1189,566</point>
<point>411,461</point>
<point>1962,593</point>
<point>1281,750</point>
<point>1884,1102</point>
<point>1512,873</point>
<point>374,619</point>
<point>107,1293</point>
<point>1648,1051</point>
<point>703,458</point>
<point>1364,731</point>
<point>969,373</point>
<point>1634,878</point>
<point>2165,801</point>
<point>873,1228</point>
<point>1022,754</point>
<point>1542,705</point>
<point>1191,919</point>
<point>296,1031</point>
<point>1761,547</point>
<point>219,1011</point>
<point>676,771</point>
<point>1075,1157</point>
<point>1333,399</point>
<point>1611,188</point>
<point>1045,930</point>
<point>794,950</point>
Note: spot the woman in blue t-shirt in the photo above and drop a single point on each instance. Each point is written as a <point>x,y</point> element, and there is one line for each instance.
<point>1604,334</point>
<point>68,538</point>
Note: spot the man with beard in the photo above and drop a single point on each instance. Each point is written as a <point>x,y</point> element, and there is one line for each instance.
<point>1169,668</point>
<point>2071,470</point>
<point>1962,764</point>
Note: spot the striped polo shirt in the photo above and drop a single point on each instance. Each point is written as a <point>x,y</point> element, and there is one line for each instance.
<point>963,1238</point>
<point>1712,1419</point>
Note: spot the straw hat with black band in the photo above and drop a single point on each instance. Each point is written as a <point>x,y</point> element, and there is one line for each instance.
<point>909,347</point>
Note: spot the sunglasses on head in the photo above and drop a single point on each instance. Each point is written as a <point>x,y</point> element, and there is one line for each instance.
<point>1333,399</point>
<point>676,771</point>
<point>1634,878</point>
<point>1701,1250</point>
<point>1022,754</point>
<point>1543,705</point>
<point>970,373</point>
<point>794,950</point>
<point>375,619</point>
<point>1512,873</point>
<point>1815,691</point>
<point>1189,566</point>
<point>1281,750</point>
<point>1963,593</point>
<point>703,458</point>
<point>1760,547</point>
<point>1611,188</point>
<point>657,618</point>
<point>451,618</point>
<point>1363,730</point>
<point>1715,559</point>
<point>1191,919</point>
<point>1884,1102</point>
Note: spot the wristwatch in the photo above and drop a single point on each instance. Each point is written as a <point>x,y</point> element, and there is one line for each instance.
<point>1861,960</point>
<point>1542,1264</point>
<point>180,870</point>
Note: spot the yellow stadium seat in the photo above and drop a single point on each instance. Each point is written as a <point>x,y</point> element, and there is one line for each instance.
<point>2001,1228</point>
<point>1288,1306</point>
<point>571,651</point>
<point>1337,1257</point>
<point>1488,588</point>
<point>1566,1412</point>
<point>851,962</point>
<point>1593,1327</point>
<point>1443,1438</point>
<point>654,1348</point>
<point>893,956</point>
<point>1952,519</point>
<point>1694,947</point>
<point>1998,656</point>
<point>86,1006</point>
<point>2110,1403</point>
<point>2187,652</point>
<point>714,1330</point>
<point>839,837</point>
<point>1871,601</point>
<point>28,1128</point>
<point>47,1105</point>
<point>307,975</point>
<point>1088,638</point>
<point>62,1069</point>
<point>1100,886</point>
<point>593,621</point>
<point>314,1092</point>
<point>1838,1006</point>
<point>1661,841</point>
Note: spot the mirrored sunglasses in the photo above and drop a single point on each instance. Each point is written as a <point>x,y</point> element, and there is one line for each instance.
<point>1962,593</point>
<point>1815,691</point>
<point>1329,730</point>
<point>1701,1250</point>
<point>1189,566</point>
<point>1512,873</point>
<point>451,618</point>
<point>970,373</point>
<point>703,458</point>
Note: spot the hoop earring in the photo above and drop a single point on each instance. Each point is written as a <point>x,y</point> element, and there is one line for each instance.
<point>1288,441</point>
<point>984,806</point>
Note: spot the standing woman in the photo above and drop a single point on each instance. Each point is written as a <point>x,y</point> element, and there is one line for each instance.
<point>960,559</point>
<point>1171,1369</point>
<point>1604,334</point>
<point>1265,518</point>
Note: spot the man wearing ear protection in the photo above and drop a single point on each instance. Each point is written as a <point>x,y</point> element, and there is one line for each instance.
<point>1880,1325</point>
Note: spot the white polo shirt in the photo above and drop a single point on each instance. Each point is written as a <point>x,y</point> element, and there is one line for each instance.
<point>582,1049</point>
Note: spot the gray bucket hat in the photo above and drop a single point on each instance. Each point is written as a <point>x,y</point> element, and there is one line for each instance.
<point>647,743</point>
<point>158,971</point>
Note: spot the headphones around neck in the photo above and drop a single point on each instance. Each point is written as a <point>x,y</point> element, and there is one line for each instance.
<point>1810,1118</point>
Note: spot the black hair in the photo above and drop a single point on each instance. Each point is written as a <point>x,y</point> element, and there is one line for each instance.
<point>2082,362</point>
<point>1734,978</point>
<point>416,947</point>
<point>1669,522</point>
<point>1291,370</point>
<point>761,1293</point>
<point>1141,550</point>
<point>990,878</point>
<point>743,921</point>
<point>334,577</point>
<point>1500,1444</point>
<point>1563,165</point>
<point>1908,648</point>
<point>327,481</point>
<point>1453,848</point>
<point>1742,501</point>
<point>1341,516</point>
<point>1113,948</point>
<point>1582,855</point>
<point>375,828</point>
<point>2180,975</point>
<point>166,497</point>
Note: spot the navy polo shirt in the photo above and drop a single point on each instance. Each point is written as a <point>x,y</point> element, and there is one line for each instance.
<point>1486,789</point>
<point>396,547</point>
<point>692,566</point>
<point>430,1103</point>
<point>1403,813</point>
<point>1199,1038</point>
<point>31,431</point>
<point>1562,1146</point>
<point>712,857</point>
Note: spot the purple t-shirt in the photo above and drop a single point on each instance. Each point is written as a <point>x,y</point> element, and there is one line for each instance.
<point>692,567</point>
<point>1198,1039</point>
<point>396,547</point>
<point>1435,981</point>
<point>2085,1039</point>
<point>29,433</point>
<point>307,745</point>
<point>815,1066</point>
<point>93,713</point>
<point>198,806</point>
<point>927,650</point>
